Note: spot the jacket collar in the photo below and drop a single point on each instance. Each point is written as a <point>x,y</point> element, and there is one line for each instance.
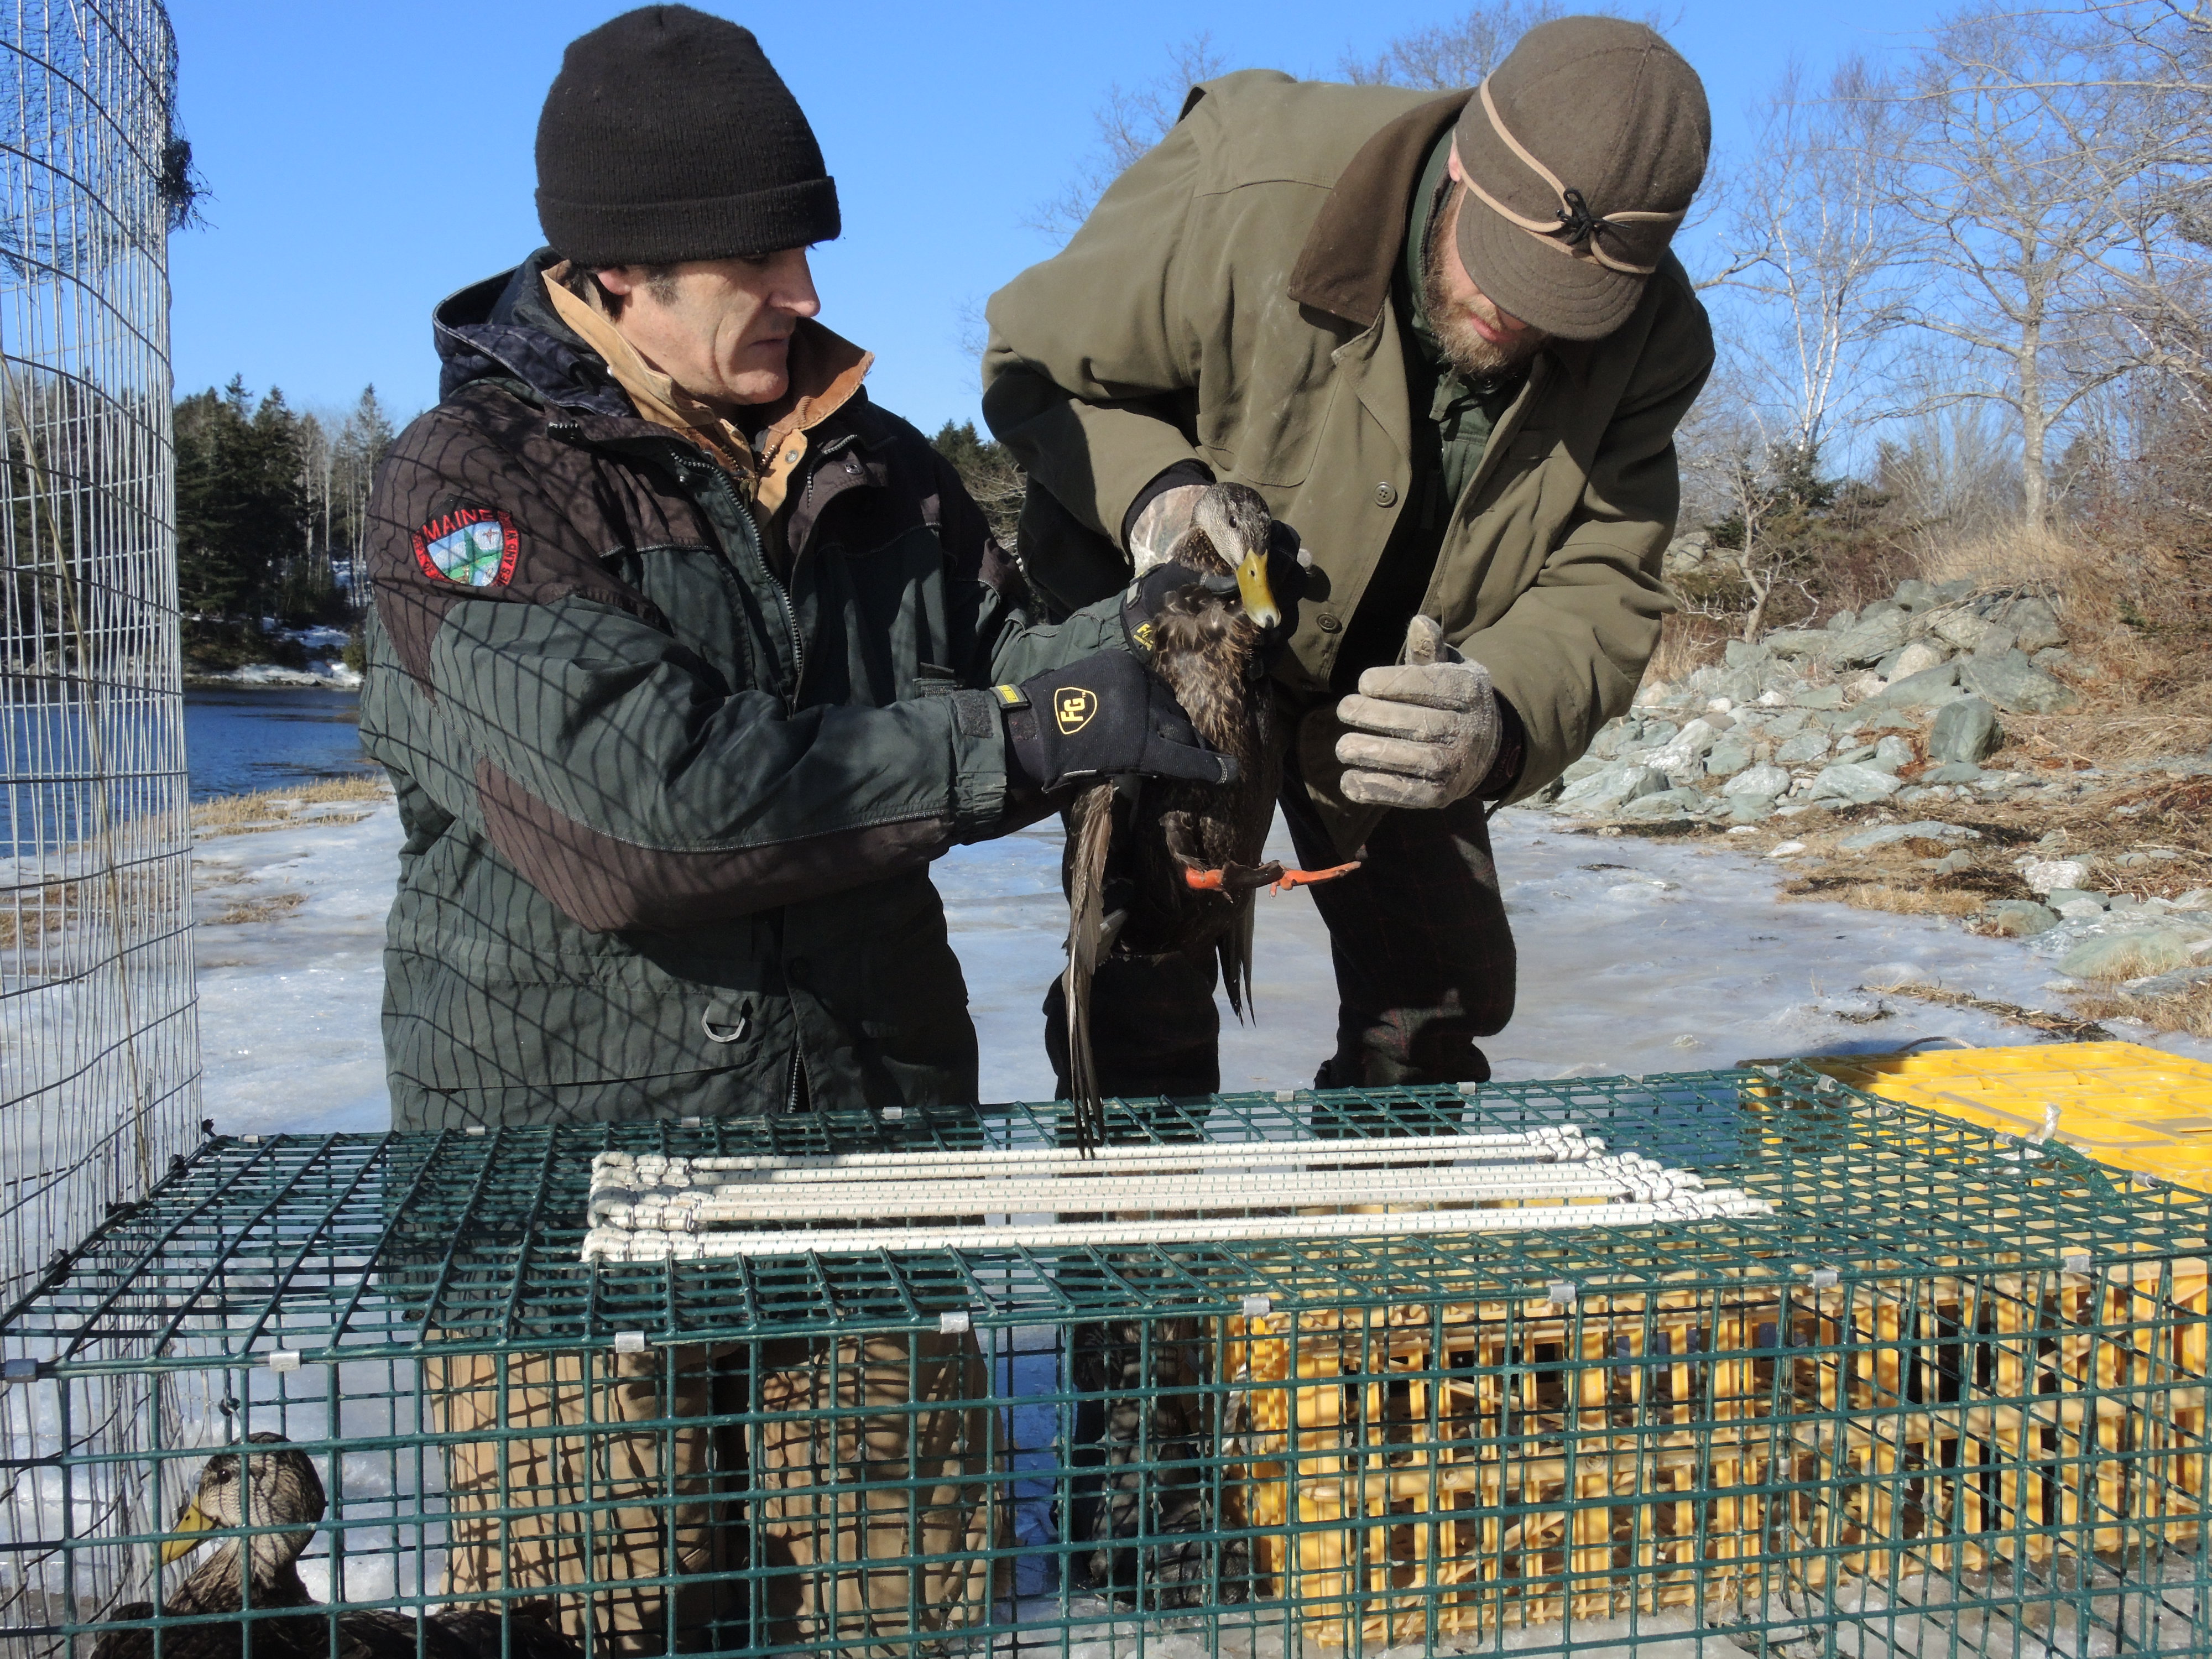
<point>826,370</point>
<point>1352,249</point>
<point>505,326</point>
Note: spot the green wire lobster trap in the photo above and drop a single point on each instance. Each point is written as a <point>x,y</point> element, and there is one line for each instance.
<point>1732,1362</point>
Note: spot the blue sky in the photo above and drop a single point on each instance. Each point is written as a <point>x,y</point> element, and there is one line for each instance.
<point>366,161</point>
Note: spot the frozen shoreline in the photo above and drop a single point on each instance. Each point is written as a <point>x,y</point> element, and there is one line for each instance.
<point>1636,956</point>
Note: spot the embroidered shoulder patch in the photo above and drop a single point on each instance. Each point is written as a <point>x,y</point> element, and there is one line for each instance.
<point>474,546</point>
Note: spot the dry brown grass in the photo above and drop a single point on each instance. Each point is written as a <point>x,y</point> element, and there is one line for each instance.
<point>1687,643</point>
<point>268,907</point>
<point>1912,900</point>
<point>38,914</point>
<point>2040,1019</point>
<point>2008,557</point>
<point>278,809</point>
<point>2189,1011</point>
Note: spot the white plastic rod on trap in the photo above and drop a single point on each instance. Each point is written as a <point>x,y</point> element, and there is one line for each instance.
<point>615,1244</point>
<point>1547,1142</point>
<point>1623,1177</point>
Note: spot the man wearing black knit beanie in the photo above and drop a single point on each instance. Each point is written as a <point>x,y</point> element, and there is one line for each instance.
<point>687,657</point>
<point>686,661</point>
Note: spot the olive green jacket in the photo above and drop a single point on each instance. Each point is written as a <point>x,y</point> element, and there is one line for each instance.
<point>1229,301</point>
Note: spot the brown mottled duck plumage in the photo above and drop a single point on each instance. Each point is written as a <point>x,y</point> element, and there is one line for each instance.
<point>280,1488</point>
<point>1131,843</point>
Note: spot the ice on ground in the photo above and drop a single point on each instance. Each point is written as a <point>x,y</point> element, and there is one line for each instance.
<point>1636,956</point>
<point>291,989</point>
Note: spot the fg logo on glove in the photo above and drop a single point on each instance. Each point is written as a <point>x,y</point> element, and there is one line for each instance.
<point>1072,708</point>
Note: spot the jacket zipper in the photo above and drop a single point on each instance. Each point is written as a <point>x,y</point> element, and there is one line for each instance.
<point>782,592</point>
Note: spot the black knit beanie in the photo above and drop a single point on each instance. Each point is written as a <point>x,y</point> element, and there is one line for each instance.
<point>668,136</point>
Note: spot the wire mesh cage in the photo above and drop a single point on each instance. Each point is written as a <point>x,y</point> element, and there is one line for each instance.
<point>99,1055</point>
<point>1717,1363</point>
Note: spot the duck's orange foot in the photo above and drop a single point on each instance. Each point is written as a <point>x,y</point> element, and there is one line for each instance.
<point>1231,877</point>
<point>1312,877</point>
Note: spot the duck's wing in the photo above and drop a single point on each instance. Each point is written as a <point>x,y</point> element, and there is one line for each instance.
<point>382,1633</point>
<point>526,1636</point>
<point>127,1643</point>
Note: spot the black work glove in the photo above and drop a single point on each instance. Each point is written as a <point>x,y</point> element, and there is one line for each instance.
<point>1287,581</point>
<point>1103,716</point>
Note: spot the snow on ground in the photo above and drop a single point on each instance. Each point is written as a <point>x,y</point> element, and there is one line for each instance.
<point>1636,956</point>
<point>290,1040</point>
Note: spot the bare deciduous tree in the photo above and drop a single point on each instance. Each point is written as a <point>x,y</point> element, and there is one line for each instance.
<point>1812,249</point>
<point>2018,161</point>
<point>1458,54</point>
<point>1130,122</point>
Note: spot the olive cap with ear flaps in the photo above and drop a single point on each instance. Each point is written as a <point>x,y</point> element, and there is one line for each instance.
<point>1580,154</point>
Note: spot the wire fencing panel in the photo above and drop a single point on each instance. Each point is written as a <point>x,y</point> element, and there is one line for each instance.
<point>99,1048</point>
<point>99,1051</point>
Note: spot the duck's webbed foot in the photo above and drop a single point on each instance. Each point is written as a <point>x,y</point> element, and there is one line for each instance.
<point>1232,878</point>
<point>1289,878</point>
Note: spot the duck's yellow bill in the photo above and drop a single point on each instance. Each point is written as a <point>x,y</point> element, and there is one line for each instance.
<point>1252,590</point>
<point>194,1519</point>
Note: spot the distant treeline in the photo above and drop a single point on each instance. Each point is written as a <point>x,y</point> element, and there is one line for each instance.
<point>272,509</point>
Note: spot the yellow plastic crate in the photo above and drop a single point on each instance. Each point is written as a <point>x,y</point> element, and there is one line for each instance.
<point>2118,1103</point>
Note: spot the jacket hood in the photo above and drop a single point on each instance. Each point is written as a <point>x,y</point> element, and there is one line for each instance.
<point>502,326</point>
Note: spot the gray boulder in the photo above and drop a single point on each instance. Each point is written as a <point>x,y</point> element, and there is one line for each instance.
<point>1966,730</point>
<point>1893,752</point>
<point>2016,685</point>
<point>1917,658</point>
<point>1687,556</point>
<point>1950,593</point>
<point>2059,897</point>
<point>1743,653</point>
<point>1912,594</point>
<point>1918,829</point>
<point>2127,955</point>
<point>2020,918</point>
<point>1862,786</point>
<point>1759,781</point>
<point>1728,758</point>
<point>1818,696</point>
<point>1791,643</point>
<point>1960,629</point>
<point>1930,688</point>
<point>1805,746</point>
<point>1840,621</point>
<point>1662,805</point>
<point>1608,790</point>
<point>2033,623</point>
<point>1873,638</point>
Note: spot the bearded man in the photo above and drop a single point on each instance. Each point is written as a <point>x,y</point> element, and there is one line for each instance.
<point>1444,338</point>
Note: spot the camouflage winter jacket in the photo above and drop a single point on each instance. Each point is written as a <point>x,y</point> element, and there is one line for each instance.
<point>669,815</point>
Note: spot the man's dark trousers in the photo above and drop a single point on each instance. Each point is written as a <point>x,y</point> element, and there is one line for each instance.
<point>1425,965</point>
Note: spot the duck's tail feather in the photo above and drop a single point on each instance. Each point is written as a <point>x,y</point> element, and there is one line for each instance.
<point>1093,837</point>
<point>1233,949</point>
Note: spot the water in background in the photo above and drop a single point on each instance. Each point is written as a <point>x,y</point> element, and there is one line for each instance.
<point>236,741</point>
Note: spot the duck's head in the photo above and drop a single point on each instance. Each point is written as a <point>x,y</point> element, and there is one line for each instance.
<point>277,1488</point>
<point>1234,521</point>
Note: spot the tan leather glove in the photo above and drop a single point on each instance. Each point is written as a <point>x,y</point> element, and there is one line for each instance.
<point>1424,733</point>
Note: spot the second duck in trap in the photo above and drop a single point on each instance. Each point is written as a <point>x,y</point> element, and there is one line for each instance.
<point>1156,868</point>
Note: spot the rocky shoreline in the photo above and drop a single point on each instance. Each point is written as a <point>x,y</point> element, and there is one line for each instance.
<point>1874,753</point>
